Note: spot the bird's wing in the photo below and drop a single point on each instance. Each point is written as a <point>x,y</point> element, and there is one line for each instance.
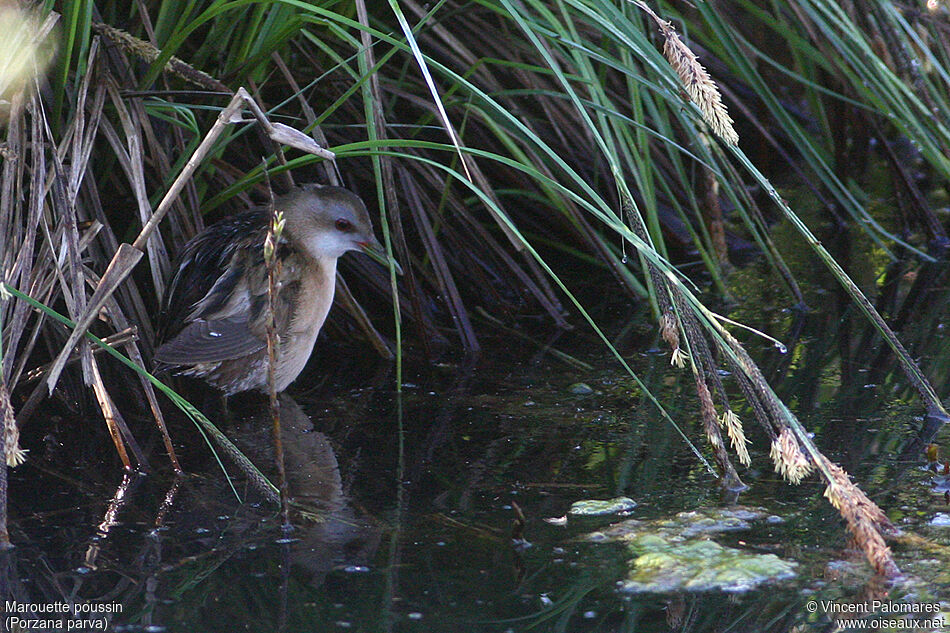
<point>210,341</point>
<point>215,258</point>
<point>215,305</point>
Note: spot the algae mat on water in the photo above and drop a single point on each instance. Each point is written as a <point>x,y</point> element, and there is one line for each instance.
<point>677,555</point>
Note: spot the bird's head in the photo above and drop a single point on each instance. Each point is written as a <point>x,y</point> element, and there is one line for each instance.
<point>329,221</point>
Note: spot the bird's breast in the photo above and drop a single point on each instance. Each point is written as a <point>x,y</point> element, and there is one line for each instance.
<point>314,298</point>
<point>313,301</point>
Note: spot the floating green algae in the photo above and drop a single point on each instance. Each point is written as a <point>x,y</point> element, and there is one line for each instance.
<point>661,566</point>
<point>599,507</point>
<point>676,554</point>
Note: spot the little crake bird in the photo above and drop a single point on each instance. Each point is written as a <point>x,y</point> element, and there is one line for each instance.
<point>214,312</point>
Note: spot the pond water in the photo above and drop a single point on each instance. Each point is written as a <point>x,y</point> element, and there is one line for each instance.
<point>447,507</point>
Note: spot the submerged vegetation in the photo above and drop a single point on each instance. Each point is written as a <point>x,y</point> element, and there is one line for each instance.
<point>508,148</point>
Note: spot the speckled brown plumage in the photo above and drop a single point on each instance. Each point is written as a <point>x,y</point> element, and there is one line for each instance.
<point>212,323</point>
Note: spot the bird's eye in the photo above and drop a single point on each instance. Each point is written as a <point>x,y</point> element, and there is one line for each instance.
<point>342,224</point>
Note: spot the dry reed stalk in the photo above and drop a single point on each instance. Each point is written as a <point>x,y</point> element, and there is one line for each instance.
<point>8,436</point>
<point>75,147</point>
<point>56,185</point>
<point>10,208</point>
<point>4,532</point>
<point>131,158</point>
<point>187,222</point>
<point>119,320</point>
<point>283,172</point>
<point>10,205</point>
<point>700,87</point>
<point>111,415</point>
<point>274,231</point>
<point>41,288</point>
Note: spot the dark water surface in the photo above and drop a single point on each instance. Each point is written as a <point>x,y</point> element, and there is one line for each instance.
<point>410,505</point>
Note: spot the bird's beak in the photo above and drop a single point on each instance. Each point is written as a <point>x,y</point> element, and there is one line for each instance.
<point>376,251</point>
